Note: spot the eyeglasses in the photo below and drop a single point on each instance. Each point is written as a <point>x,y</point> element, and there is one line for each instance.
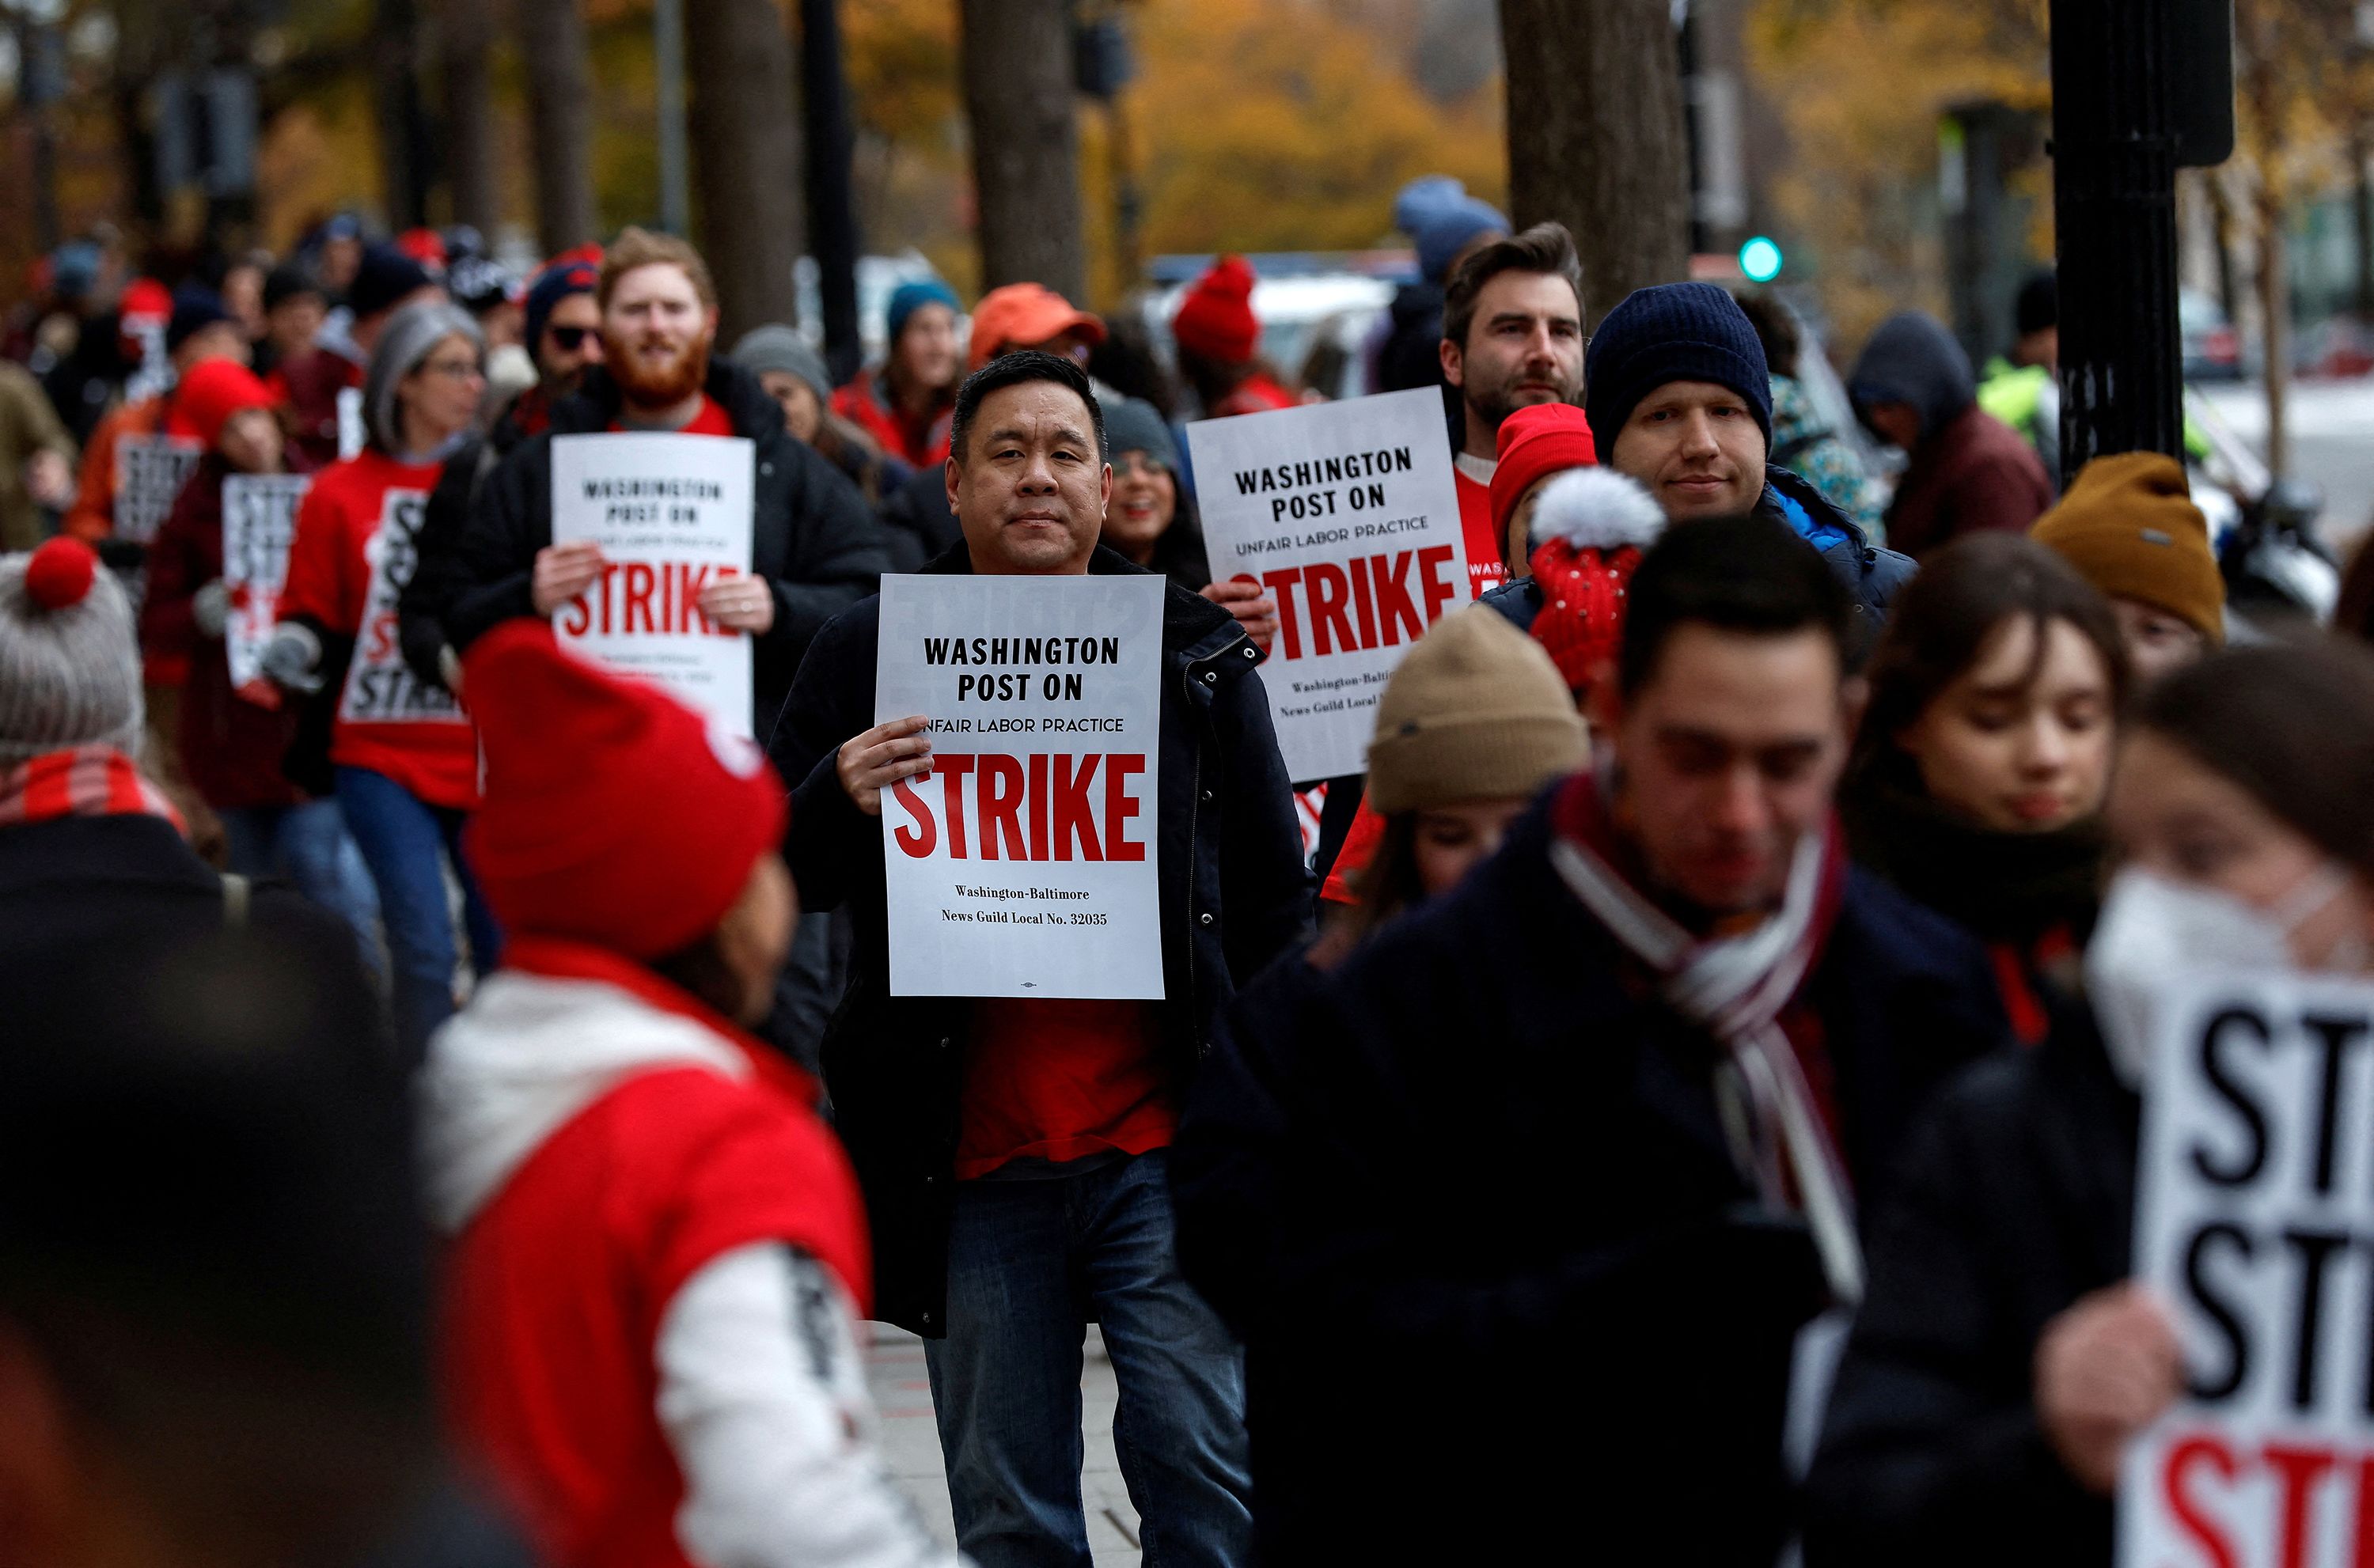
<point>569,340</point>
<point>453,369</point>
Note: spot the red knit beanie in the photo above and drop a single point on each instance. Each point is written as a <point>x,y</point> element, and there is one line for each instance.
<point>1539,438</point>
<point>1594,523</point>
<point>1215,319</point>
<point>210,394</point>
<point>612,815</point>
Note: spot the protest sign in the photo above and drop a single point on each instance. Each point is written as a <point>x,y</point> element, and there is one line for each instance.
<point>352,431</point>
<point>2254,1221</point>
<point>149,472</point>
<point>259,514</point>
<point>672,514</point>
<point>381,688</point>
<point>1347,514</point>
<point>1024,864</point>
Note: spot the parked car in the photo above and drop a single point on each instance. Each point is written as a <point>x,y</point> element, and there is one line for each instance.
<point>2212,349</point>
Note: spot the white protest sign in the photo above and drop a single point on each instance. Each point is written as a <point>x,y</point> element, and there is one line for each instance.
<point>150,473</point>
<point>259,514</point>
<point>672,514</point>
<point>1024,866</point>
<point>352,432</point>
<point>2254,1221</point>
<point>1348,514</point>
<point>381,688</point>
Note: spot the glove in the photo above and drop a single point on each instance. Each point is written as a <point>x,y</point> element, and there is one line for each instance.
<point>210,607</point>
<point>293,657</point>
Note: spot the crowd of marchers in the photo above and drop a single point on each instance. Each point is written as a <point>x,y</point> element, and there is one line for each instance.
<point>454,1109</point>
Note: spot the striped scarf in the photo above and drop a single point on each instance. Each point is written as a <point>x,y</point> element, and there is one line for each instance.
<point>1736,988</point>
<point>96,780</point>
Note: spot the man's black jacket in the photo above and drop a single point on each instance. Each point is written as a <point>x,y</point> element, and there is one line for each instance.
<point>1229,855</point>
<point>1469,1200</point>
<point>812,538</point>
<point>2015,1198</point>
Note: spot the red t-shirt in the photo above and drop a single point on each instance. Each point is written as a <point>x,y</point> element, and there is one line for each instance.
<point>712,420</point>
<point>921,443</point>
<point>358,541</point>
<point>555,1292</point>
<point>1486,570</point>
<point>1062,1080</point>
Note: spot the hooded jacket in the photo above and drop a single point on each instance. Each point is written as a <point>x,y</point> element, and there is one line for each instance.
<point>1228,850</point>
<point>657,1263</point>
<point>1969,471</point>
<point>812,538</point>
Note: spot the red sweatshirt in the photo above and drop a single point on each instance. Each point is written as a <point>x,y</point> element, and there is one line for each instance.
<point>355,548</point>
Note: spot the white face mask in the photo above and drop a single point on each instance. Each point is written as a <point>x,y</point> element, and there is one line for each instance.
<point>2153,929</point>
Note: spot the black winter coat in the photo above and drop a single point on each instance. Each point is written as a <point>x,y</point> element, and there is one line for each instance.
<point>2015,1198</point>
<point>1513,1301</point>
<point>81,897</point>
<point>812,537</point>
<point>1234,892</point>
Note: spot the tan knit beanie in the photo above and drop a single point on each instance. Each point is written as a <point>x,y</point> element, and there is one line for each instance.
<point>69,656</point>
<point>2130,527</point>
<point>1475,710</point>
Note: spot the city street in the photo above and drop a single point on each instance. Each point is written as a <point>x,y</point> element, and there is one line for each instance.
<point>2332,445</point>
<point>902,1393</point>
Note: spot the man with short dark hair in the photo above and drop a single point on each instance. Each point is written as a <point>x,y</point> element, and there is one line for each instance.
<point>814,548</point>
<point>1511,337</point>
<point>1638,1182</point>
<point>1014,1153</point>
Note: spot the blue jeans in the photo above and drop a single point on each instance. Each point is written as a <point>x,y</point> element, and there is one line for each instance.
<point>406,842</point>
<point>1030,1264</point>
<point>308,847</point>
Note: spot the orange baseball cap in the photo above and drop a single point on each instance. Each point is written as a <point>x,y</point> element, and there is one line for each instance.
<point>1024,315</point>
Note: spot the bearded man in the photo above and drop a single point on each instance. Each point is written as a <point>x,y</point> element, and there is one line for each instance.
<point>814,549</point>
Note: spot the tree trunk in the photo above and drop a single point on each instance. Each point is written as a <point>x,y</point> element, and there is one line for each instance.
<point>560,114</point>
<point>2361,148</point>
<point>404,153</point>
<point>745,143</point>
<point>1596,139</point>
<point>2275,307</point>
<point>1026,143</point>
<point>465,38</point>
<point>833,236</point>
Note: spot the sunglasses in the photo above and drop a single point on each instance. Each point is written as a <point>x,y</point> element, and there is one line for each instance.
<point>569,340</point>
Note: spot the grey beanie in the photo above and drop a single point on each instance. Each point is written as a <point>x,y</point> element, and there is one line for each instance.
<point>403,344</point>
<point>1134,425</point>
<point>779,348</point>
<point>69,656</point>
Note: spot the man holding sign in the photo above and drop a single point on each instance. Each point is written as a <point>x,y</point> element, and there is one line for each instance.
<point>1013,1148</point>
<point>808,547</point>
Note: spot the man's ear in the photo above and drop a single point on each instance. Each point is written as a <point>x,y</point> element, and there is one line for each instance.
<point>1603,705</point>
<point>952,471</point>
<point>1455,363</point>
<point>710,317</point>
<point>1104,491</point>
<point>1854,696</point>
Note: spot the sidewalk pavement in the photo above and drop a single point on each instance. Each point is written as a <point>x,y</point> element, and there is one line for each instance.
<point>911,1444</point>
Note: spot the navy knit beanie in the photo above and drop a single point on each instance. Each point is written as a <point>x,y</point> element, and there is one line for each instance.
<point>1674,332</point>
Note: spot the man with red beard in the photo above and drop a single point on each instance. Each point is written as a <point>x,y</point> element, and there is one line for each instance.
<point>814,549</point>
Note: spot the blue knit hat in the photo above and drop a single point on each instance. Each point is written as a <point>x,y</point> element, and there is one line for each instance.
<point>1674,332</point>
<point>1448,229</point>
<point>912,295</point>
<point>553,285</point>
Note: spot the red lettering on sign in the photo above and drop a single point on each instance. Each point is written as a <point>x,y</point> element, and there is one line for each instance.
<point>1001,805</point>
<point>2176,1480</point>
<point>2297,1470</point>
<point>917,840</point>
<point>1361,604</point>
<point>1437,592</point>
<point>1119,808</point>
<point>952,771</point>
<point>1075,819</point>
<point>1038,798</point>
<point>1329,593</point>
<point>1395,609</point>
<point>640,582</point>
<point>1281,584</point>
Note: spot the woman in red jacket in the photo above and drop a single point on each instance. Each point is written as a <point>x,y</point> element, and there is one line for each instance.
<point>231,738</point>
<point>405,758</point>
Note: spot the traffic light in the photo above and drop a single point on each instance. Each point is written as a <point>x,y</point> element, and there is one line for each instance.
<point>1760,260</point>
